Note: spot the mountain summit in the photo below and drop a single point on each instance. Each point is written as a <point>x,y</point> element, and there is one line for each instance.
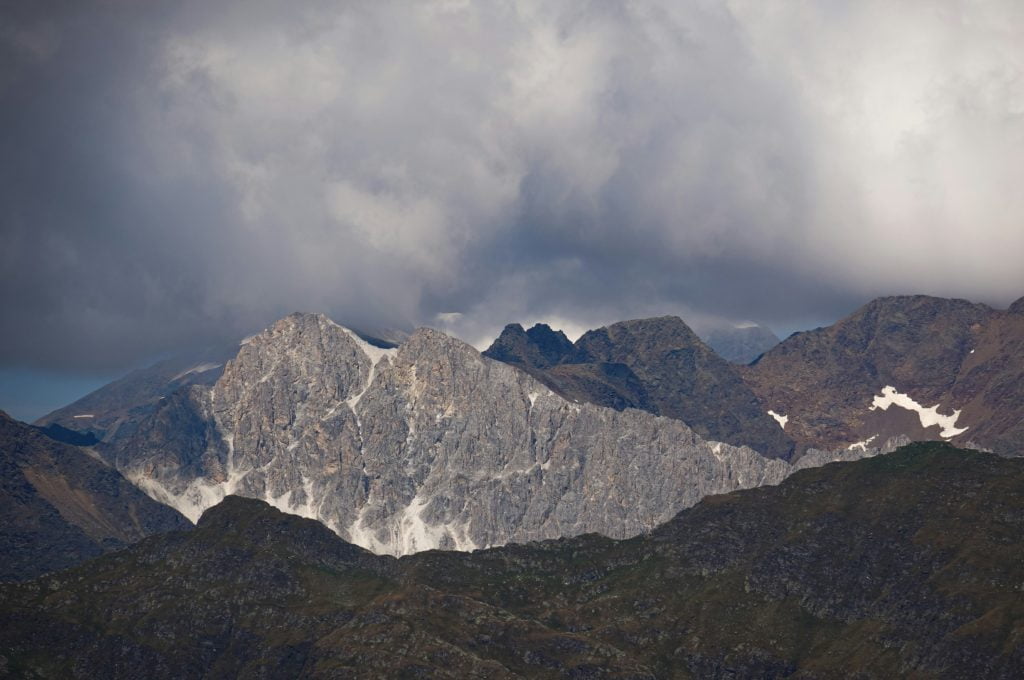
<point>657,365</point>
<point>924,367</point>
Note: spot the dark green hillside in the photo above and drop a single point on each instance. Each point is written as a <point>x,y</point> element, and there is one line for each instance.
<point>903,565</point>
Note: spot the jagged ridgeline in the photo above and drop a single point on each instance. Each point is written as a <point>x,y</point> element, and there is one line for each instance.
<point>427,445</point>
<point>904,565</point>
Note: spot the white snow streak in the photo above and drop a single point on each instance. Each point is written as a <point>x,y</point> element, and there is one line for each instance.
<point>198,368</point>
<point>781,420</point>
<point>928,416</point>
<point>863,446</point>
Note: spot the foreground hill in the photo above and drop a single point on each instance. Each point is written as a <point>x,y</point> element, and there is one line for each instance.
<point>928,368</point>
<point>657,365</point>
<point>62,505</point>
<point>902,565</point>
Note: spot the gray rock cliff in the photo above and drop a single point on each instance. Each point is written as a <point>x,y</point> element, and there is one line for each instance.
<point>429,445</point>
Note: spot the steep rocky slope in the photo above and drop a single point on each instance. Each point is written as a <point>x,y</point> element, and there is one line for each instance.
<point>427,445</point>
<point>124,401</point>
<point>925,367</point>
<point>657,365</point>
<point>904,565</point>
<point>61,505</point>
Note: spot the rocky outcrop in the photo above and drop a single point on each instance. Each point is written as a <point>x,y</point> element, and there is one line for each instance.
<point>429,445</point>
<point>62,505</point>
<point>657,365</point>
<point>922,367</point>
<point>906,565</point>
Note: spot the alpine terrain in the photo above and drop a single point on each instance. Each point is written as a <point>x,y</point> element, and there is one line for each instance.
<point>428,445</point>
<point>658,365</point>
<point>924,367</point>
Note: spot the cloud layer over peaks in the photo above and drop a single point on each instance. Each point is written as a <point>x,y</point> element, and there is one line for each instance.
<point>176,173</point>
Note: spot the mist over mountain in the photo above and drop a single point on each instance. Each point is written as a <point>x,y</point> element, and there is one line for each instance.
<point>740,344</point>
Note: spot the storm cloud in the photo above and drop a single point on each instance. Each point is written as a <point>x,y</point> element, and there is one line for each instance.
<point>180,173</point>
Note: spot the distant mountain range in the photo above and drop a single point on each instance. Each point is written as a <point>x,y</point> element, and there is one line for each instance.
<point>125,400</point>
<point>739,344</point>
<point>905,565</point>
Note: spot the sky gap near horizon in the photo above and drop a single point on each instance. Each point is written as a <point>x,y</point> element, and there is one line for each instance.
<point>178,174</point>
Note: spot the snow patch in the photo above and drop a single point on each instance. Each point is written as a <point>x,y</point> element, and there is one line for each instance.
<point>780,419</point>
<point>198,368</point>
<point>191,502</point>
<point>863,446</point>
<point>928,416</point>
<point>373,353</point>
<point>409,533</point>
<point>84,415</point>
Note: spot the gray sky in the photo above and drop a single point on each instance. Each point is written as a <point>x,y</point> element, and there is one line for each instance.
<point>175,174</point>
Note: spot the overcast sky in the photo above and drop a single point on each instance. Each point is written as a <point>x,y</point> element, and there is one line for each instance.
<point>179,173</point>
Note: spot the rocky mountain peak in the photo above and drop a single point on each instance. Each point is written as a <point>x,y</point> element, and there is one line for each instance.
<point>658,365</point>
<point>540,346</point>
<point>925,367</point>
<point>431,445</point>
<point>1017,307</point>
<point>624,341</point>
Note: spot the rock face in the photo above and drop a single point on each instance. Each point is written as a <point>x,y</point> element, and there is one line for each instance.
<point>429,445</point>
<point>905,565</point>
<point>924,367</point>
<point>740,344</point>
<point>61,505</point>
<point>657,365</point>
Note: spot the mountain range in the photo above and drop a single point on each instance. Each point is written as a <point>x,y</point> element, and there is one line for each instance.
<point>664,512</point>
<point>432,445</point>
<point>427,445</point>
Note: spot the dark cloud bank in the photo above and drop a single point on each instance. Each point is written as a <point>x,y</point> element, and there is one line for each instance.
<point>177,173</point>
